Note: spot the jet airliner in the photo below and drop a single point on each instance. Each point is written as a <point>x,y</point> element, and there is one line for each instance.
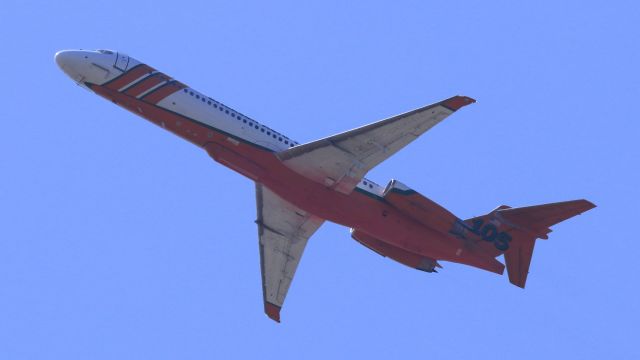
<point>300,186</point>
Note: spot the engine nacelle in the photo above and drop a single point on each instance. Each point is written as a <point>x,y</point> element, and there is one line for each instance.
<point>402,256</point>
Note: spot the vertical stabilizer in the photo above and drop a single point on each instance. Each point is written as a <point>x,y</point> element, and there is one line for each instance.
<point>528,224</point>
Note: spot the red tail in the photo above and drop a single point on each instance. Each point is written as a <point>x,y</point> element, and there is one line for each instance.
<point>524,225</point>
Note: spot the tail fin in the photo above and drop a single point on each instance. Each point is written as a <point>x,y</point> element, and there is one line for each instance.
<point>530,223</point>
<point>526,224</point>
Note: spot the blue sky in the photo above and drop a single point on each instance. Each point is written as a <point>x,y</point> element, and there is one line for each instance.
<point>119,240</point>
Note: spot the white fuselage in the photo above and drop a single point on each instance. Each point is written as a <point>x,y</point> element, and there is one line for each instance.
<point>103,66</point>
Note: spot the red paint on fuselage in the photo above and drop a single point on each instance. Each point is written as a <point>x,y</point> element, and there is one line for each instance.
<point>361,210</point>
<point>129,76</point>
<point>162,92</point>
<point>146,84</point>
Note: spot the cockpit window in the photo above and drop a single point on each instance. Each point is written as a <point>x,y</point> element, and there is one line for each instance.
<point>108,52</point>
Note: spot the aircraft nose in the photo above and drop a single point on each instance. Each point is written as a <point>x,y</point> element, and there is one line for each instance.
<point>59,58</point>
<point>74,63</point>
<point>67,59</point>
<point>86,66</point>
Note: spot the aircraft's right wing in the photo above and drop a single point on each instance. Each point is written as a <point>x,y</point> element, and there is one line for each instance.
<point>341,161</point>
<point>284,230</point>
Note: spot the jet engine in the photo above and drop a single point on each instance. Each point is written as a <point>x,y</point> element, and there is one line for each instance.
<point>402,256</point>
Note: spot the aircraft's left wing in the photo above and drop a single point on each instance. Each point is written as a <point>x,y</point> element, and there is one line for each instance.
<point>340,161</point>
<point>284,230</point>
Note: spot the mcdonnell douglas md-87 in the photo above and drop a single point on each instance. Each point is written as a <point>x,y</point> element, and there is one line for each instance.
<point>300,186</point>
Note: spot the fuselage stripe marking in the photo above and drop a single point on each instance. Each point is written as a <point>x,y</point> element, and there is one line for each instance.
<point>157,95</point>
<point>127,77</point>
<point>127,86</point>
<point>152,88</point>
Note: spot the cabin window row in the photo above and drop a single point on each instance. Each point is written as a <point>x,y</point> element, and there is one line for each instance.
<point>251,123</point>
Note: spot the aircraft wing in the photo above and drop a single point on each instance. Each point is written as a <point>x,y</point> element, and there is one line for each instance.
<point>283,230</point>
<point>341,161</point>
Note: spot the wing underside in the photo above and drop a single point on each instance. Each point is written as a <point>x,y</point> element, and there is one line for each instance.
<point>341,161</point>
<point>283,230</point>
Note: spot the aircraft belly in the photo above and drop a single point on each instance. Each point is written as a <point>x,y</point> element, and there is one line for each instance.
<point>355,210</point>
<point>358,211</point>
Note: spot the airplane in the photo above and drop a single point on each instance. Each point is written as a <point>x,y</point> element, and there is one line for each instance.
<point>300,186</point>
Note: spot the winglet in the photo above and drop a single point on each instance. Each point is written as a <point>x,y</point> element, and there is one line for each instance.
<point>272,311</point>
<point>456,102</point>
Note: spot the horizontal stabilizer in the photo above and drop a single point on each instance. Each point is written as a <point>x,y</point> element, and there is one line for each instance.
<point>518,260</point>
<point>530,223</point>
<point>513,232</point>
<point>538,219</point>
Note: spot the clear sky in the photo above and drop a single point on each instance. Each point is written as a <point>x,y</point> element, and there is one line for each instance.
<point>121,241</point>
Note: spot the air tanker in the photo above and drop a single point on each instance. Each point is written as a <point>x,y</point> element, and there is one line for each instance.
<point>299,186</point>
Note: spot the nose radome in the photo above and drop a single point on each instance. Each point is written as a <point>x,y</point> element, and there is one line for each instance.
<point>66,59</point>
<point>87,66</point>
<point>59,58</point>
<point>74,63</point>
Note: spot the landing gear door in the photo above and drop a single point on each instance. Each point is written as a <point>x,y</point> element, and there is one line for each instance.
<point>122,61</point>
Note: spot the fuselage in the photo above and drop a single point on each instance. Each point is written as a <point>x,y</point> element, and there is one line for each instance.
<point>250,148</point>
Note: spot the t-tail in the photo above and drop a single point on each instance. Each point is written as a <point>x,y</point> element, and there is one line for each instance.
<point>514,231</point>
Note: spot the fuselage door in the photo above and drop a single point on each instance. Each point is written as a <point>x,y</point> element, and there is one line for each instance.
<point>122,61</point>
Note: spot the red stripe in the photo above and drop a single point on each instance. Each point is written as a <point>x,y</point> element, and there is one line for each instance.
<point>146,84</point>
<point>157,95</point>
<point>129,76</point>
